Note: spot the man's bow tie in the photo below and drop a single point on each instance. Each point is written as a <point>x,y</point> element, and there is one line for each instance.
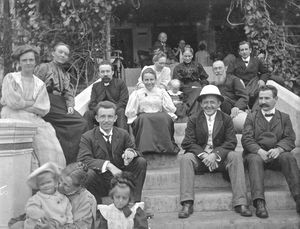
<point>269,115</point>
<point>245,61</point>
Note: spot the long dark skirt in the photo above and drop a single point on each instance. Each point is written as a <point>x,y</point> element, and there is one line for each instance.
<point>154,132</point>
<point>191,91</point>
<point>68,127</point>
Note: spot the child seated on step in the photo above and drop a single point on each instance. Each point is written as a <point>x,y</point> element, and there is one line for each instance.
<point>177,96</point>
<point>122,213</point>
<point>47,206</point>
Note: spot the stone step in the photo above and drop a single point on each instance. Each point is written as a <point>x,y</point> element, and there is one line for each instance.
<point>283,219</point>
<point>169,178</point>
<point>212,199</point>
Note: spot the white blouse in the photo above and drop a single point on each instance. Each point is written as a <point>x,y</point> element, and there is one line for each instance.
<point>162,78</point>
<point>145,101</point>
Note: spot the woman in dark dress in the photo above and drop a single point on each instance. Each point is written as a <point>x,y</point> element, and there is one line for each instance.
<point>68,123</point>
<point>192,77</point>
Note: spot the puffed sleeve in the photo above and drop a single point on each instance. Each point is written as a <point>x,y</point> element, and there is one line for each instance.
<point>168,105</point>
<point>68,92</point>
<point>11,95</point>
<point>34,209</point>
<point>132,107</point>
<point>165,78</point>
<point>41,104</point>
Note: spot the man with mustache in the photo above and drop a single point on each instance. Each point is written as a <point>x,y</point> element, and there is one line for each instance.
<point>233,91</point>
<point>110,89</point>
<point>268,139</point>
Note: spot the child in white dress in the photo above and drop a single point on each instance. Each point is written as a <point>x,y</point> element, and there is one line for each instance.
<point>122,214</point>
<point>47,206</point>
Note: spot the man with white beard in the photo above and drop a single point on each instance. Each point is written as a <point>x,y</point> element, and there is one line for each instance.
<point>234,92</point>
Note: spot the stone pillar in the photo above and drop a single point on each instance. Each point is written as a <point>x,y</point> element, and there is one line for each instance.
<point>16,148</point>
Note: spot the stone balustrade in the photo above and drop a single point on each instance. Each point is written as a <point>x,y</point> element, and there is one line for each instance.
<point>16,139</point>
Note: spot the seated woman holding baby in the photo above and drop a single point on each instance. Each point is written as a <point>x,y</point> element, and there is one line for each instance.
<point>150,111</point>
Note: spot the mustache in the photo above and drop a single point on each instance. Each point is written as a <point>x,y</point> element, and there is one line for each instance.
<point>263,105</point>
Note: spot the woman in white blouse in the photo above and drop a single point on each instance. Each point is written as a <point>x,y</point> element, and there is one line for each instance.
<point>150,111</point>
<point>163,73</point>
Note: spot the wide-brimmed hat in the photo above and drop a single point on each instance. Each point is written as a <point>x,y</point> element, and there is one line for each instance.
<point>47,167</point>
<point>210,90</point>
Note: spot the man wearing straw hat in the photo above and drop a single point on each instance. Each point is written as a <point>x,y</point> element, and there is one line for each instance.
<point>209,144</point>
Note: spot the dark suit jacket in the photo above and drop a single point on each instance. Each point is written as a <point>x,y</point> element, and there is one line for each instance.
<point>93,151</point>
<point>256,67</point>
<point>115,92</point>
<point>196,134</point>
<point>259,133</point>
<point>235,92</point>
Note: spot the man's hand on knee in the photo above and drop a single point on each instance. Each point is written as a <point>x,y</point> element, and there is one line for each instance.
<point>210,160</point>
<point>113,169</point>
<point>128,156</point>
<point>274,153</point>
<point>263,154</point>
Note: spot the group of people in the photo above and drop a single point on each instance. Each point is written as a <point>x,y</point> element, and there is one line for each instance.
<point>176,55</point>
<point>102,156</point>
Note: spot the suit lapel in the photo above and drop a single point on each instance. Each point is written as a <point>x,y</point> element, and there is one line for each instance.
<point>114,140</point>
<point>242,64</point>
<point>100,141</point>
<point>204,129</point>
<point>261,121</point>
<point>218,124</point>
<point>275,120</point>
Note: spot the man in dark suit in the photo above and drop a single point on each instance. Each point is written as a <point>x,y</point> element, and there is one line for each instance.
<point>268,138</point>
<point>209,144</point>
<point>234,93</point>
<point>107,151</point>
<point>110,89</point>
<point>251,70</point>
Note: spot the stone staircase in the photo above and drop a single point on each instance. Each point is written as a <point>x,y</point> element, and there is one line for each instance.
<point>212,207</point>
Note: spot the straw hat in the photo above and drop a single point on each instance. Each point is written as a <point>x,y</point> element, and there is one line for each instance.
<point>210,90</point>
<point>47,167</point>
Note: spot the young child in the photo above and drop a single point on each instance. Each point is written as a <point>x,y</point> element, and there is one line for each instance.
<point>121,213</point>
<point>177,96</point>
<point>47,206</point>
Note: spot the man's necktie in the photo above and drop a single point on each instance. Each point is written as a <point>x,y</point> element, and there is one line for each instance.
<point>108,146</point>
<point>269,115</point>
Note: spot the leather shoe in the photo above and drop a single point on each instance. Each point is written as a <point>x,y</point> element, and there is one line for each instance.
<point>261,210</point>
<point>243,210</point>
<point>186,210</point>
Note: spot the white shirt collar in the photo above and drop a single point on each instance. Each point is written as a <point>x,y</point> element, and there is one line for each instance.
<point>104,133</point>
<point>212,116</point>
<point>105,84</point>
<point>269,112</point>
<point>247,59</point>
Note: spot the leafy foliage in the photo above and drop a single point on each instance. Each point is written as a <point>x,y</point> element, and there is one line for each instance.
<point>79,23</point>
<point>278,42</point>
